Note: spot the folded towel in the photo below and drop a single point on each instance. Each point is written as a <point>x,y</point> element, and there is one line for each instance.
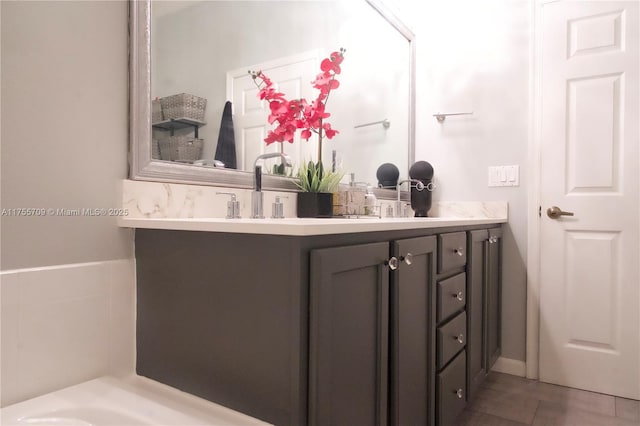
<point>226,149</point>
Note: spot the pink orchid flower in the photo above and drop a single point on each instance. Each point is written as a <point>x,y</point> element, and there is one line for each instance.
<point>298,114</point>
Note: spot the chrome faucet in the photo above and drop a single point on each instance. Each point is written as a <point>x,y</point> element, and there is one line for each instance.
<point>353,183</point>
<point>418,185</point>
<point>256,195</point>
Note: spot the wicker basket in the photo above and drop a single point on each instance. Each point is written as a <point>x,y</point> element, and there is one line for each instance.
<point>183,105</point>
<point>156,111</point>
<point>181,148</point>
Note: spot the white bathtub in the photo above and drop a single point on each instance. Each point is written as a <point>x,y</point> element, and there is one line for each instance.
<point>111,402</point>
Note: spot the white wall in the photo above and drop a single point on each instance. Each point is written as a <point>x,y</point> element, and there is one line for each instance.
<point>474,56</point>
<point>64,129</point>
<point>67,283</point>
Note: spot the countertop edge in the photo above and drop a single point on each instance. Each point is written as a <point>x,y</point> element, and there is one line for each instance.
<point>300,227</point>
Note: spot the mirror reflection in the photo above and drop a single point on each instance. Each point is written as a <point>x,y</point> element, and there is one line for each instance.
<point>201,52</point>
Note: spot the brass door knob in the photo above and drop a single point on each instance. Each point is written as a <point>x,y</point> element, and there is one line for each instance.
<point>555,212</point>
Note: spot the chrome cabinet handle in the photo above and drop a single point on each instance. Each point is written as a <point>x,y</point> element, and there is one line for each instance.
<point>392,263</point>
<point>459,251</point>
<point>555,212</point>
<point>407,258</point>
<point>459,338</point>
<point>493,239</point>
<point>459,295</point>
<point>458,393</point>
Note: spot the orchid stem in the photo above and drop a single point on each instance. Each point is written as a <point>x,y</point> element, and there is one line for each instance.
<point>320,143</point>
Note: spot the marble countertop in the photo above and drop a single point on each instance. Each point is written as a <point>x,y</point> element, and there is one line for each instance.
<point>301,227</point>
<point>155,205</point>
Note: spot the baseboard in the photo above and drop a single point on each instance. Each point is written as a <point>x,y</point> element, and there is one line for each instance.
<point>510,366</point>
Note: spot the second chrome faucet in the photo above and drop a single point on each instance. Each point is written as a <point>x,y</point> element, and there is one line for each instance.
<point>257,209</point>
<point>418,185</point>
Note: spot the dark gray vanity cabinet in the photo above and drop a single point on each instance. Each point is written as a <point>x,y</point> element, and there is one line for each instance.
<point>342,329</point>
<point>483,310</point>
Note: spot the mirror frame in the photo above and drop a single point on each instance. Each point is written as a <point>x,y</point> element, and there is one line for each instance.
<point>141,166</point>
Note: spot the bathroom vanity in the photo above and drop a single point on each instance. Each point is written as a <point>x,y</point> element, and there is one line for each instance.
<point>335,321</point>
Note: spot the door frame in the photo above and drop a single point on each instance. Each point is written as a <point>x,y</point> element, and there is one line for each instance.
<point>534,195</point>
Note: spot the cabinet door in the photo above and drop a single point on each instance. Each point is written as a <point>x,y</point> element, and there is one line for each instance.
<point>494,291</point>
<point>349,314</point>
<point>412,347</point>
<point>476,324</point>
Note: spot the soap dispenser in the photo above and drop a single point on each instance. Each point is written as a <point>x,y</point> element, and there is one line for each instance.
<point>277,209</point>
<point>370,201</point>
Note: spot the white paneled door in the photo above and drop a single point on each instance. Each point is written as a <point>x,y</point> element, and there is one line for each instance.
<point>590,260</point>
<point>291,76</point>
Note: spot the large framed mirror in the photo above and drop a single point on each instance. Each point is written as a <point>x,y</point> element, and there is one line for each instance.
<point>204,48</point>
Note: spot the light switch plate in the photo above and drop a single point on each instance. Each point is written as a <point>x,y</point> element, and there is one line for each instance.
<point>504,176</point>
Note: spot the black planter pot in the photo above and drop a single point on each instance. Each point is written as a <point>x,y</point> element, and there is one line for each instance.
<point>315,204</point>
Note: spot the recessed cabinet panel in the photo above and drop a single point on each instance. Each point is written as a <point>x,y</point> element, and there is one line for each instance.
<point>451,338</point>
<point>593,284</point>
<point>452,296</point>
<point>494,297</point>
<point>452,396</point>
<point>349,295</point>
<point>452,251</point>
<point>411,351</point>
<point>595,34</point>
<point>217,317</point>
<point>594,116</point>
<point>477,258</point>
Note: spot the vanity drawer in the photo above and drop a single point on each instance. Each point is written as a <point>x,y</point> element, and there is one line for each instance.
<point>451,338</point>
<point>452,296</point>
<point>451,392</point>
<point>452,251</point>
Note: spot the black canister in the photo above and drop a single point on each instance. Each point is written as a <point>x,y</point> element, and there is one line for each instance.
<point>421,200</point>
<point>387,175</point>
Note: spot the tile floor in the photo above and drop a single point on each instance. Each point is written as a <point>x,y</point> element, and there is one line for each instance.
<point>506,400</point>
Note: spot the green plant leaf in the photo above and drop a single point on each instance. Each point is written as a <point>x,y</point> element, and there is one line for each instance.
<point>313,178</point>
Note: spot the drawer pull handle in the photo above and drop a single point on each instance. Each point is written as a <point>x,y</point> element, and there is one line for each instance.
<point>459,338</point>
<point>458,296</point>
<point>407,258</point>
<point>458,393</point>
<point>459,251</point>
<point>392,263</point>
